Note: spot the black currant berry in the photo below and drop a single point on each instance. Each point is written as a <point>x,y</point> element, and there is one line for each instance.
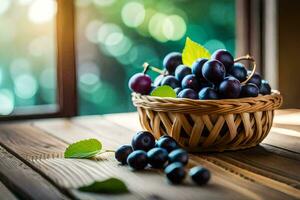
<point>213,71</point>
<point>140,83</point>
<point>179,155</point>
<point>137,160</point>
<point>230,88</point>
<point>181,71</point>
<point>265,88</point>
<point>239,72</point>
<point>256,79</point>
<point>190,81</point>
<point>208,93</point>
<point>171,61</point>
<point>143,140</point>
<point>224,57</point>
<point>168,143</point>
<point>177,90</point>
<point>175,172</point>
<point>157,80</point>
<point>206,84</point>
<point>188,93</point>
<point>197,68</point>
<point>122,153</point>
<point>157,157</point>
<point>170,81</point>
<point>200,175</point>
<point>249,90</point>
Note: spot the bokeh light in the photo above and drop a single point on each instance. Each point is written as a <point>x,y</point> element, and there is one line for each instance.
<point>106,29</point>
<point>27,54</point>
<point>19,66</point>
<point>213,45</point>
<point>156,25</point>
<point>40,46</point>
<point>174,27</point>
<point>25,86</point>
<point>25,2</point>
<point>41,11</point>
<point>91,30</point>
<point>6,102</point>
<point>103,3</point>
<point>82,3</point>
<point>89,67</point>
<point>117,44</point>
<point>4,6</point>
<point>8,31</point>
<point>89,82</point>
<point>48,79</point>
<point>133,14</point>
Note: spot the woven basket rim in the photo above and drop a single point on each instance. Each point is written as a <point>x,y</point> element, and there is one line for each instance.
<point>220,106</point>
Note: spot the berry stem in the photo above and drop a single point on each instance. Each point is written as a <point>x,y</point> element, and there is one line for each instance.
<point>250,58</point>
<point>106,151</point>
<point>155,69</point>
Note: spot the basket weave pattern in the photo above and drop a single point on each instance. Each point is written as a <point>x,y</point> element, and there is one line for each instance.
<point>210,125</point>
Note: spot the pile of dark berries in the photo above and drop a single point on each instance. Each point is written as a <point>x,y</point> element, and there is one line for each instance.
<point>164,153</point>
<point>216,78</point>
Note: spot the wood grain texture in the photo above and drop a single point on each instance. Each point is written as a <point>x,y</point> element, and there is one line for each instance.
<point>43,142</point>
<point>45,152</point>
<point>24,181</point>
<point>5,193</point>
<point>224,185</point>
<point>277,158</point>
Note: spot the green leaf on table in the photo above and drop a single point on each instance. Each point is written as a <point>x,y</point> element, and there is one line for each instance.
<point>108,186</point>
<point>83,149</point>
<point>192,51</point>
<point>163,91</point>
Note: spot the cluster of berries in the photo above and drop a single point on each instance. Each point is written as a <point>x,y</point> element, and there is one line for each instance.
<point>206,79</point>
<point>164,153</point>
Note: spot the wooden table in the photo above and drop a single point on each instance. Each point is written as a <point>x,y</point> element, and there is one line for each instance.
<point>32,164</point>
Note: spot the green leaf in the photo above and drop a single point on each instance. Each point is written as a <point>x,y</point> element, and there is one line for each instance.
<point>83,149</point>
<point>163,91</point>
<point>192,51</point>
<point>108,186</point>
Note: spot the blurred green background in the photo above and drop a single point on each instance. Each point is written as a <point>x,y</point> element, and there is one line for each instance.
<point>113,39</point>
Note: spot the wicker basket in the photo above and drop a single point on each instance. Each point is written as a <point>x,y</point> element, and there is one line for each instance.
<point>209,125</point>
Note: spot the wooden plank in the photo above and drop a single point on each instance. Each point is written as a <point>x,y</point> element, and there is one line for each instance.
<point>45,153</point>
<point>224,184</point>
<point>277,158</point>
<point>281,166</point>
<point>286,142</point>
<point>25,182</point>
<point>5,193</point>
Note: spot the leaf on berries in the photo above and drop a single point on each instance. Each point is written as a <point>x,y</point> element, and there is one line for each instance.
<point>83,149</point>
<point>163,91</point>
<point>192,51</point>
<point>108,186</point>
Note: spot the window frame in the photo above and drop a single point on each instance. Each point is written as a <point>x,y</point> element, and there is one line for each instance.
<point>66,104</point>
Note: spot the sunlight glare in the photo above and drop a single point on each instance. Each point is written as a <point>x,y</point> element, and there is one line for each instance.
<point>41,11</point>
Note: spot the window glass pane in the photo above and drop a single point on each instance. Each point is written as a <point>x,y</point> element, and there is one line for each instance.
<point>27,54</point>
<point>114,38</point>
